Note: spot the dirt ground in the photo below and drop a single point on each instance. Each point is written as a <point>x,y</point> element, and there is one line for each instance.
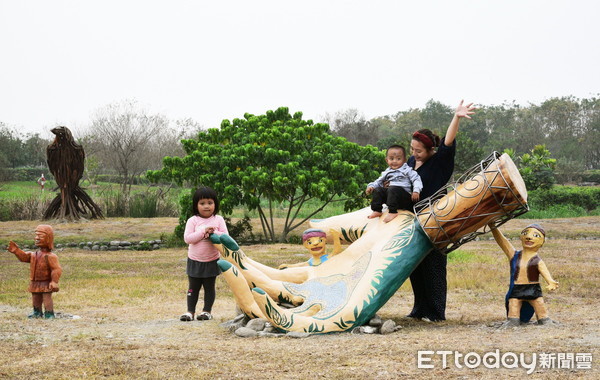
<point>120,334</point>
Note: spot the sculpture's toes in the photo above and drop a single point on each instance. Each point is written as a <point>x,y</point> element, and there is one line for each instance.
<point>351,226</point>
<point>215,238</point>
<point>229,242</point>
<point>240,289</point>
<point>286,319</point>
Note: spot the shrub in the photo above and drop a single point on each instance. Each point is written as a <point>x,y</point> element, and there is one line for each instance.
<point>587,198</point>
<point>26,208</point>
<point>27,174</point>
<point>240,230</point>
<point>591,176</point>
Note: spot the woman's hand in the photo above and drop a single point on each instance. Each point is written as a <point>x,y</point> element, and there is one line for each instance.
<point>465,111</point>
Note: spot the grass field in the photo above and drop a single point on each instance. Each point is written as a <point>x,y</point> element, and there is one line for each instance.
<point>129,303</point>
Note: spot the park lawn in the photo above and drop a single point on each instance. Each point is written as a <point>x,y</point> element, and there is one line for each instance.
<point>129,303</point>
<point>29,195</point>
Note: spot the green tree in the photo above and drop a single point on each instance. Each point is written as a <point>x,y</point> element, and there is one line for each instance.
<point>267,160</point>
<point>468,154</point>
<point>34,150</point>
<point>537,168</point>
<point>12,147</point>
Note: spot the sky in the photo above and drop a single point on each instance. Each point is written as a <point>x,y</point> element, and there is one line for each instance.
<point>61,61</point>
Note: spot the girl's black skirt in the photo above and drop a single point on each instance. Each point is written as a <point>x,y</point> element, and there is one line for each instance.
<point>200,269</point>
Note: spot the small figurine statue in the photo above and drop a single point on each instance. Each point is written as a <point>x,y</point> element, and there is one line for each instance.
<point>315,240</point>
<point>42,181</point>
<point>45,271</point>
<point>525,269</point>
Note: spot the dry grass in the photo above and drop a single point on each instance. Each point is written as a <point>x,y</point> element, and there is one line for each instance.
<point>129,303</point>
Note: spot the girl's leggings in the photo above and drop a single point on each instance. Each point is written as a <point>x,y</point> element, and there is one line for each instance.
<point>209,293</point>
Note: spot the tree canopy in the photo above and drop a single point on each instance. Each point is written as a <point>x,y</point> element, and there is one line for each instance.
<point>261,161</point>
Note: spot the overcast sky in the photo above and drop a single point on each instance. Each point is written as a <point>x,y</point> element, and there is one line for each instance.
<point>212,60</point>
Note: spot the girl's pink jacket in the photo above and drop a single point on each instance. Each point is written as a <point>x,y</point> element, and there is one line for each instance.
<point>200,247</point>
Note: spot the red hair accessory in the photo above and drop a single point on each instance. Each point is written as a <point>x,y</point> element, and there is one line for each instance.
<point>424,139</point>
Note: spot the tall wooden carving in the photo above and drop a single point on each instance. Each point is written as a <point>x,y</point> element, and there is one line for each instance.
<point>65,160</point>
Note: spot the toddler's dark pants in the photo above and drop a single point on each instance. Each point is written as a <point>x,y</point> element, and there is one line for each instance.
<point>395,197</point>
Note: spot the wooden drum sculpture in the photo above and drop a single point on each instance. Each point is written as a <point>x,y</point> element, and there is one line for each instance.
<point>492,191</point>
<point>347,290</point>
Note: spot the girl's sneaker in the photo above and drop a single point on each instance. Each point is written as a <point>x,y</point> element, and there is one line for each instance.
<point>186,317</point>
<point>204,316</point>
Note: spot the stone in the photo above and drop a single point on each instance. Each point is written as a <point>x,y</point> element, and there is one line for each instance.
<point>115,243</point>
<point>368,329</point>
<point>387,327</point>
<point>155,246</point>
<point>245,332</point>
<point>269,334</point>
<point>297,335</point>
<point>95,247</point>
<point>235,323</point>
<point>375,321</point>
<point>256,324</point>
<point>104,248</point>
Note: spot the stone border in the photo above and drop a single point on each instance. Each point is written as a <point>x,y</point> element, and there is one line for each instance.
<point>245,327</point>
<point>115,245</point>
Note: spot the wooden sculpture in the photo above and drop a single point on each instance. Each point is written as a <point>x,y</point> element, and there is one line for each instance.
<point>65,160</point>
<point>45,271</point>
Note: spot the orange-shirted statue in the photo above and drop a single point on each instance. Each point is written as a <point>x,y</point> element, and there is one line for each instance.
<point>45,271</point>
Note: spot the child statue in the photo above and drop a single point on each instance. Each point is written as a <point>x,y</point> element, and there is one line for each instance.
<point>525,269</point>
<point>315,240</point>
<point>45,271</point>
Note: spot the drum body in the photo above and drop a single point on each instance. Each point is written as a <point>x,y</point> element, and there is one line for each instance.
<point>491,192</point>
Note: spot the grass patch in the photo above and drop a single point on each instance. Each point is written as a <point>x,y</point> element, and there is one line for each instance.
<point>129,303</point>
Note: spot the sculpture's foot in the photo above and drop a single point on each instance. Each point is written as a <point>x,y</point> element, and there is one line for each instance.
<point>547,322</point>
<point>390,216</point>
<point>510,323</point>
<point>49,315</point>
<point>37,313</point>
<point>374,214</point>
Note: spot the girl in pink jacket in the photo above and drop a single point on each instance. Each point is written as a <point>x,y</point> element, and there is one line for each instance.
<point>202,269</point>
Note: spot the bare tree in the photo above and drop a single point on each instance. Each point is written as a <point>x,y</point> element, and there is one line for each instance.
<point>127,135</point>
<point>352,125</point>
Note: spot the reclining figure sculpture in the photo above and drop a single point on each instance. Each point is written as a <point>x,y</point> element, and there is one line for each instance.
<point>347,290</point>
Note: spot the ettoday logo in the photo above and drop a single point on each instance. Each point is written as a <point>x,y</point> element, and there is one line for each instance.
<point>497,359</point>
